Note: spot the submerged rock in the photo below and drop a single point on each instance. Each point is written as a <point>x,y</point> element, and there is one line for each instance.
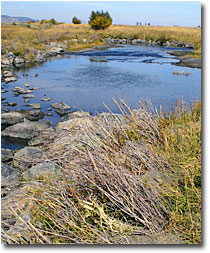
<point>35,106</point>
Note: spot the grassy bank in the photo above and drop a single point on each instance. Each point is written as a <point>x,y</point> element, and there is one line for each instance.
<point>133,183</point>
<point>23,39</point>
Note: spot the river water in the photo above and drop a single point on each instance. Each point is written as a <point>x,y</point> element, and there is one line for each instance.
<point>89,80</point>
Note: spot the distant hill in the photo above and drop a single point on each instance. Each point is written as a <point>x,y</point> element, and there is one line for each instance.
<point>8,19</point>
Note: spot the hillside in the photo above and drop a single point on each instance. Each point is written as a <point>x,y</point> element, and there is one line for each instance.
<point>8,19</point>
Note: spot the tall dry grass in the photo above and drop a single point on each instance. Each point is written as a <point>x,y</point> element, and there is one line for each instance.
<point>137,179</point>
<point>23,39</point>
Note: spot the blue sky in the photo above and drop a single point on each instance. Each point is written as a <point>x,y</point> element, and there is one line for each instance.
<point>126,12</point>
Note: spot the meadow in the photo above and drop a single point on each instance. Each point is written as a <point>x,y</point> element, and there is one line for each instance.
<point>23,39</point>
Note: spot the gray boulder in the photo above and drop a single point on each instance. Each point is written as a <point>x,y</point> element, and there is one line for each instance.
<point>11,118</point>
<point>74,115</point>
<point>9,175</point>
<point>61,106</point>
<point>19,60</point>
<point>35,106</point>
<point>76,124</point>
<point>6,155</point>
<point>26,130</point>
<point>27,157</point>
<point>33,115</point>
<point>42,170</point>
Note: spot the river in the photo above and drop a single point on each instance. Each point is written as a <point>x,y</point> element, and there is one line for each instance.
<point>89,80</point>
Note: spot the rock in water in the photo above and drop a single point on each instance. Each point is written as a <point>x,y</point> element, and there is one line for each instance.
<point>35,106</point>
<point>11,118</point>
<point>60,106</point>
<point>25,130</point>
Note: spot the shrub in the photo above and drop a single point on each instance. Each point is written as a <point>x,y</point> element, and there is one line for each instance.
<point>100,20</point>
<point>53,21</point>
<point>75,20</point>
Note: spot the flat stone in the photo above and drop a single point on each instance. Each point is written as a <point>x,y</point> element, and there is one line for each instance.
<point>36,106</point>
<point>48,114</point>
<point>45,99</point>
<point>10,104</point>
<point>10,79</point>
<point>35,88</point>
<point>61,106</point>
<point>29,96</point>
<point>32,115</point>
<point>42,170</point>
<point>25,130</point>
<point>27,85</point>
<point>11,118</point>
<point>4,91</point>
<point>60,112</point>
<point>6,155</point>
<point>8,74</point>
<point>21,90</point>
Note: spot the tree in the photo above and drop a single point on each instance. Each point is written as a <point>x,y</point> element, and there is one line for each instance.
<point>75,20</point>
<point>53,21</point>
<point>99,20</point>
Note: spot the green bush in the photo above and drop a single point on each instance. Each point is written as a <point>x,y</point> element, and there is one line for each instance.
<point>100,20</point>
<point>75,20</point>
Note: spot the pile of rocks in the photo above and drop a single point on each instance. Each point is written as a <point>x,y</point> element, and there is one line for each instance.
<point>149,42</point>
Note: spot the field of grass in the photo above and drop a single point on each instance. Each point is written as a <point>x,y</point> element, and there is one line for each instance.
<point>142,178</point>
<point>23,39</point>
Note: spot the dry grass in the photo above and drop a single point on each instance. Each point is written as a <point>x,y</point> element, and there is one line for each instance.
<point>136,178</point>
<point>22,39</point>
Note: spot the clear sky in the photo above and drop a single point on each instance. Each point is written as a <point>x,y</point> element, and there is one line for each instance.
<point>184,13</point>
